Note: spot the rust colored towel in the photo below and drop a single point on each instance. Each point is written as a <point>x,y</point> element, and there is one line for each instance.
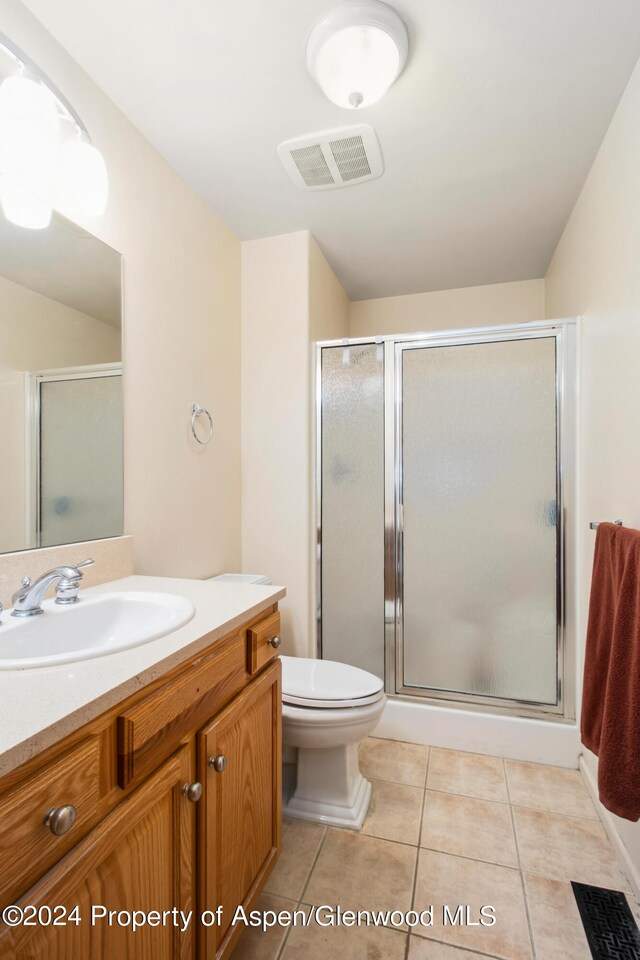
<point>610,723</point>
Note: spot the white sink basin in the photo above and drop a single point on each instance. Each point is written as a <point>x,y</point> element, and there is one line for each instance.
<point>95,626</point>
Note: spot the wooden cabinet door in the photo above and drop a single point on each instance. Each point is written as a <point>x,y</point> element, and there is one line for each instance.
<point>141,857</point>
<point>239,815</point>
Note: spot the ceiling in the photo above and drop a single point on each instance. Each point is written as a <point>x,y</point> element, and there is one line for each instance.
<point>64,263</point>
<point>487,136</point>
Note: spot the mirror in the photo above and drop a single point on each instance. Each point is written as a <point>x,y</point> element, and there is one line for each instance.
<point>60,387</point>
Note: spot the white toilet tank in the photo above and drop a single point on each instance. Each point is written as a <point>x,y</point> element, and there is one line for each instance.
<point>242,578</point>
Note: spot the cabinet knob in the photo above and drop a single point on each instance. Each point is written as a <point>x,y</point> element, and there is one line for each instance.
<point>60,819</point>
<point>274,642</point>
<point>192,791</point>
<point>218,763</point>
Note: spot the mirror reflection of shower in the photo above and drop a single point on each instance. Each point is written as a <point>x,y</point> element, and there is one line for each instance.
<point>74,479</point>
<point>60,386</point>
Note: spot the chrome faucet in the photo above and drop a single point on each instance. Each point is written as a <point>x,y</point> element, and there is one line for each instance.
<point>27,600</point>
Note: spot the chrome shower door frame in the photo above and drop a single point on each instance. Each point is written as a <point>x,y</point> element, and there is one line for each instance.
<point>565,334</point>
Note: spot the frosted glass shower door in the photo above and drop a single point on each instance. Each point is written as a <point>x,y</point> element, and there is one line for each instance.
<point>80,459</point>
<point>478,495</point>
<point>351,455</point>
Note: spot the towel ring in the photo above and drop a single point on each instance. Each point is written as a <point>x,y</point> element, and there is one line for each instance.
<point>196,411</point>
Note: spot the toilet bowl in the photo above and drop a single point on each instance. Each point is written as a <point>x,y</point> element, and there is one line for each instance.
<point>327,709</point>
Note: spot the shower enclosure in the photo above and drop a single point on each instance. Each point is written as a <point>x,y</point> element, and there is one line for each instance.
<point>75,440</point>
<point>444,490</point>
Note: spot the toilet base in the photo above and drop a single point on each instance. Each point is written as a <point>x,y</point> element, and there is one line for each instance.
<point>329,787</point>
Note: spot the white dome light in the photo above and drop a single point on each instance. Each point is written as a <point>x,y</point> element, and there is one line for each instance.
<point>29,144</point>
<point>47,160</point>
<point>83,185</point>
<point>357,51</point>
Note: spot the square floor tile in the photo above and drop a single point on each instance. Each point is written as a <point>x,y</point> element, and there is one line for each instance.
<point>420,949</point>
<point>469,774</point>
<point>317,942</point>
<point>300,842</point>
<point>394,760</point>
<point>444,880</point>
<point>555,920</point>
<point>256,944</point>
<point>553,789</point>
<point>468,827</point>
<point>566,848</point>
<point>394,812</point>
<point>362,873</point>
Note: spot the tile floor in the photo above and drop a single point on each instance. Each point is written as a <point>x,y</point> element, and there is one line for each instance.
<point>444,828</point>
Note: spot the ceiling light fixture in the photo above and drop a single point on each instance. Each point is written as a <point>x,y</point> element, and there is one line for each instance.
<point>357,51</point>
<point>47,160</point>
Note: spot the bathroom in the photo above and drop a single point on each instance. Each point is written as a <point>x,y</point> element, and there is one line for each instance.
<point>242,381</point>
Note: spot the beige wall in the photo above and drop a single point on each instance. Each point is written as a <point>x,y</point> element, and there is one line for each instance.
<point>14,530</point>
<point>36,333</point>
<point>275,443</point>
<point>181,334</point>
<point>289,297</point>
<point>328,303</point>
<point>518,302</point>
<point>595,273</point>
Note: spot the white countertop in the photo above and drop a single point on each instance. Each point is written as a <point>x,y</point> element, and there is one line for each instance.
<point>40,706</point>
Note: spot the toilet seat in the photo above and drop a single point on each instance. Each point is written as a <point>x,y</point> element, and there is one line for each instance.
<point>328,708</point>
<point>327,685</point>
<point>311,704</point>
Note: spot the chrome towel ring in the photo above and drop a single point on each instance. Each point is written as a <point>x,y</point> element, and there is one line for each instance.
<point>197,411</point>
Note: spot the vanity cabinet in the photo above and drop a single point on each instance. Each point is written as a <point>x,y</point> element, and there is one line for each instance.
<point>239,765</point>
<point>177,800</point>
<point>140,857</point>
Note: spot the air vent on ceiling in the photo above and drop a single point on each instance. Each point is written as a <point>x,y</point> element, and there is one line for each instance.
<point>333,158</point>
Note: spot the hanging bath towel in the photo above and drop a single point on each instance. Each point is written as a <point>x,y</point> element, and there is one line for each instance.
<point>610,724</point>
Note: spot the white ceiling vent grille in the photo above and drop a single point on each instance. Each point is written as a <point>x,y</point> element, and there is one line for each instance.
<point>312,166</point>
<point>351,158</point>
<point>333,158</point>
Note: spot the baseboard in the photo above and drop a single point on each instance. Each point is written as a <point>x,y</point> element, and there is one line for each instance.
<point>630,869</point>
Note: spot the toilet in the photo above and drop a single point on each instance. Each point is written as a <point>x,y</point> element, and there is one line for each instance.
<point>327,709</point>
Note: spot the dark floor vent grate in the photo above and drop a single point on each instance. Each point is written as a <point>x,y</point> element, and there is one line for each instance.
<point>608,923</point>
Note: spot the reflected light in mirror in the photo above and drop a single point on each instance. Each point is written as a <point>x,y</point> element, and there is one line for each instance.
<point>22,208</point>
